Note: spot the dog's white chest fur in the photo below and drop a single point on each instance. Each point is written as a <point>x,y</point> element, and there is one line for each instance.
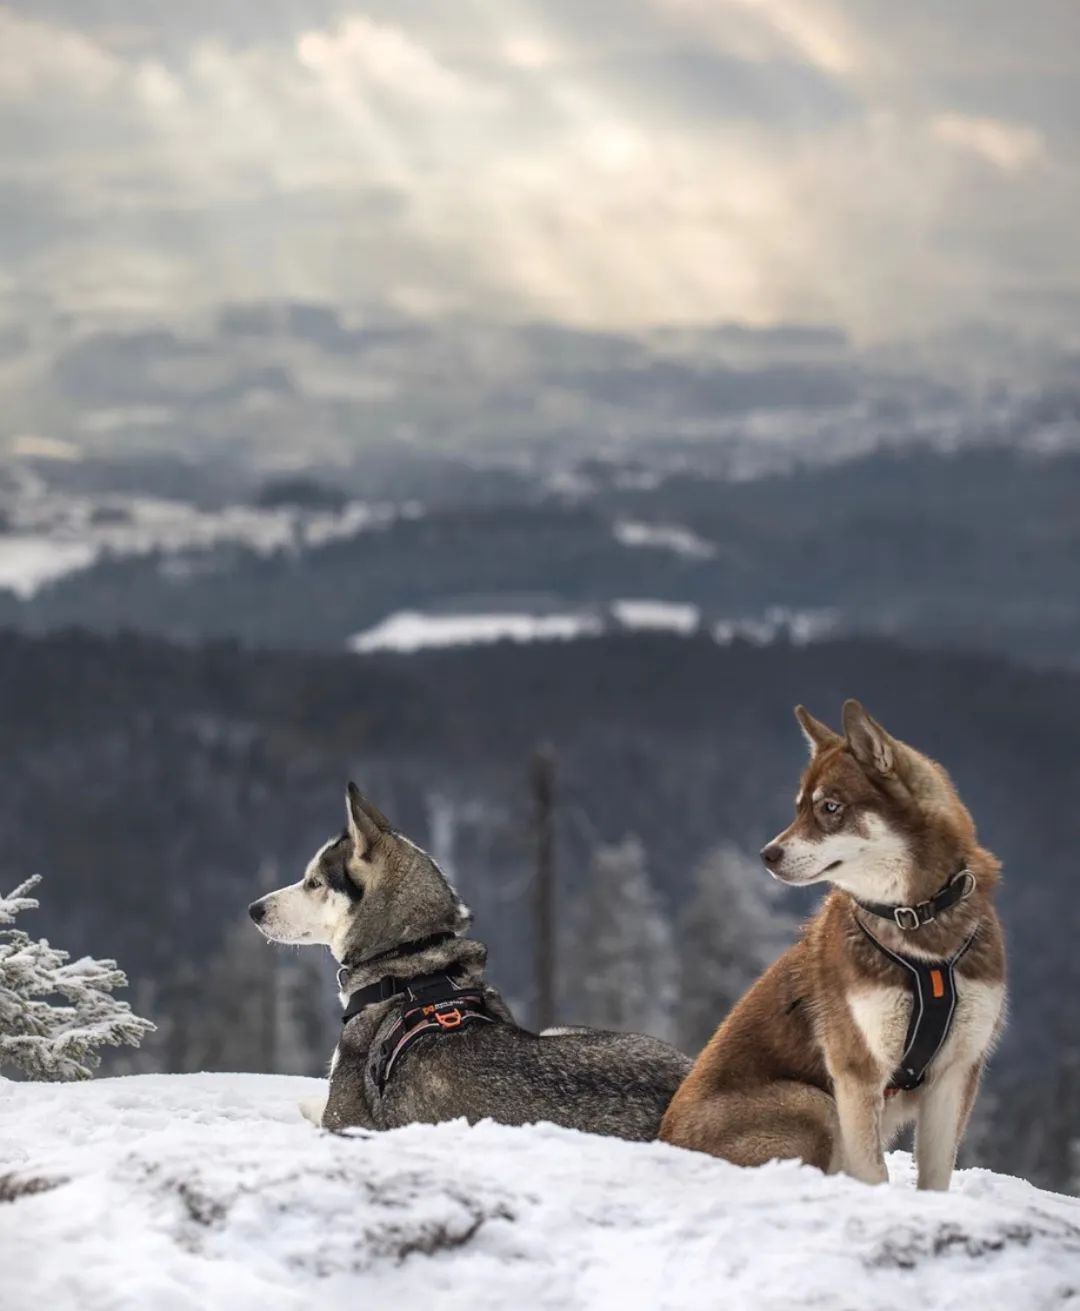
<point>882,1015</point>
<point>978,1010</point>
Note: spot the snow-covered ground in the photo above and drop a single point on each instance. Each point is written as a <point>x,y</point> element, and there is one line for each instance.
<point>170,1193</point>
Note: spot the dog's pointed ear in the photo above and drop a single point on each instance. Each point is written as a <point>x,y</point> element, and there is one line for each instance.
<point>818,735</point>
<point>366,821</point>
<point>899,766</point>
<point>871,746</point>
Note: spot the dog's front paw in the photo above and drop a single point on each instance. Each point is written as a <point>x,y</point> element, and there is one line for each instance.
<point>312,1108</point>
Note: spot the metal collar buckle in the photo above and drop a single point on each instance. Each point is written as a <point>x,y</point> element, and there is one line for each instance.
<point>907,917</point>
<point>969,883</point>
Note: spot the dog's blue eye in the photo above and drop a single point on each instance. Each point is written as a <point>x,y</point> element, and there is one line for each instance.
<point>831,807</point>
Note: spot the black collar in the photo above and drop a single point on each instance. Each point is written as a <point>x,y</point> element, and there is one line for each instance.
<point>910,918</point>
<point>390,985</point>
<point>382,990</point>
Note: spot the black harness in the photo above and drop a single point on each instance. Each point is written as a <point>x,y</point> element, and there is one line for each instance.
<point>434,1003</point>
<point>932,983</point>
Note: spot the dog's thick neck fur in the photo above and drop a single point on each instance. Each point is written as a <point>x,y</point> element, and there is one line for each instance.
<point>939,850</point>
<point>462,957</point>
<point>941,938</point>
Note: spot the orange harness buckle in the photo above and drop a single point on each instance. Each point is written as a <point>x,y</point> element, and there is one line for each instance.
<point>446,1019</point>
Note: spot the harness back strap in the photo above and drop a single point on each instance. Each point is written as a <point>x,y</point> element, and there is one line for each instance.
<point>434,1003</point>
<point>933,1004</point>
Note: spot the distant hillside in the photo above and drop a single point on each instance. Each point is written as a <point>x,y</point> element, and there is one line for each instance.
<point>979,550</point>
<point>248,393</point>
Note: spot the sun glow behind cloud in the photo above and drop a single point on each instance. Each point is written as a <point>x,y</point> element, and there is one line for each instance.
<point>699,160</point>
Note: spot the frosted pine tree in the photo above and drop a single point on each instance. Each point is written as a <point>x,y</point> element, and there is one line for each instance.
<point>621,972</point>
<point>56,1012</point>
<point>730,930</point>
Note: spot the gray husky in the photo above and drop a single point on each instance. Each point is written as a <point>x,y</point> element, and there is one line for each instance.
<point>424,1038</point>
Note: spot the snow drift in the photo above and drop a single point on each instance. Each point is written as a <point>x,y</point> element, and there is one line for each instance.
<point>163,1193</point>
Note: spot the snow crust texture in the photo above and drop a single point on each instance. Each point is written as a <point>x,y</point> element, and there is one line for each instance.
<point>166,1192</point>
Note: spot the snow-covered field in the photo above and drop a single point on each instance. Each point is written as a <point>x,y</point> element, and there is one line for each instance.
<point>664,537</point>
<point>407,631</point>
<point>49,535</point>
<point>164,1193</point>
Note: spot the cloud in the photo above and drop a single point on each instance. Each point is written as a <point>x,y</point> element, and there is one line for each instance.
<point>1004,145</point>
<point>148,27</point>
<point>360,54</point>
<point>526,50</point>
<point>40,59</point>
<point>687,85</point>
<point>605,162</point>
<point>807,31</point>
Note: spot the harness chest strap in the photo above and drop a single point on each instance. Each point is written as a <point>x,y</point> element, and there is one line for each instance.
<point>434,1004</point>
<point>933,1005</point>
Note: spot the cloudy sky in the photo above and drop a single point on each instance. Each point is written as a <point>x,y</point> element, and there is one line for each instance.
<point>893,166</point>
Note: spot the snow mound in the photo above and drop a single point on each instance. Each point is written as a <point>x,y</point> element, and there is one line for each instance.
<point>206,1191</point>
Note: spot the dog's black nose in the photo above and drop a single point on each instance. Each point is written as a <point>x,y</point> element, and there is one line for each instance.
<point>257,911</point>
<point>773,854</point>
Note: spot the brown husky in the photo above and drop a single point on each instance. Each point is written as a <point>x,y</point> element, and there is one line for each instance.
<point>886,1010</point>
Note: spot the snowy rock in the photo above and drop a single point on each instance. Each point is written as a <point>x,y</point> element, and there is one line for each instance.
<point>206,1191</point>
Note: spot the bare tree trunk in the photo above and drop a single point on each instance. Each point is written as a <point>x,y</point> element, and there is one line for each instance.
<point>542,780</point>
